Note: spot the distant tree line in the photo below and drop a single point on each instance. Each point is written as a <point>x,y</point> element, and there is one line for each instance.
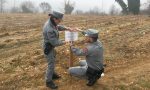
<point>29,7</point>
<point>69,6</point>
<point>2,3</point>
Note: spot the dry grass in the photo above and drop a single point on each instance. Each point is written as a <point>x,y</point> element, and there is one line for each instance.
<point>126,40</point>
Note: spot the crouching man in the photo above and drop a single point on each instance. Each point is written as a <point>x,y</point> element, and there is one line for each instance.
<point>92,67</point>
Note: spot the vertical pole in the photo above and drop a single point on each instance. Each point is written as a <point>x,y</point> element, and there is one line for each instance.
<point>1,6</point>
<point>71,56</point>
<point>86,22</point>
<point>71,63</point>
<point>102,8</point>
<point>14,3</point>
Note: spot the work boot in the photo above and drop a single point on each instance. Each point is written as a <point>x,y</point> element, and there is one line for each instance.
<point>91,82</point>
<point>51,85</point>
<point>55,76</point>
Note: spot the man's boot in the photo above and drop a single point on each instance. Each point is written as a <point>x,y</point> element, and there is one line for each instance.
<point>91,82</point>
<point>51,85</point>
<point>55,76</point>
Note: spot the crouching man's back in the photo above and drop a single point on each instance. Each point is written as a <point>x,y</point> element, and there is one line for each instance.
<point>92,67</point>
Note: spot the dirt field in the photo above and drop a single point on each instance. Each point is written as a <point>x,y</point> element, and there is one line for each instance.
<point>126,40</point>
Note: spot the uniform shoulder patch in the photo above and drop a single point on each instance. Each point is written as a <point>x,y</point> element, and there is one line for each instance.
<point>85,50</point>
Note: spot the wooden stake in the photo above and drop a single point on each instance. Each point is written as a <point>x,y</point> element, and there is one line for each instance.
<point>71,56</point>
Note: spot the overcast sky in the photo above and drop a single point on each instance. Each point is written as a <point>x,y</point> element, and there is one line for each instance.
<point>84,5</point>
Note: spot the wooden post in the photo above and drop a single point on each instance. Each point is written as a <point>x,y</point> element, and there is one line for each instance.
<point>71,37</point>
<point>71,56</point>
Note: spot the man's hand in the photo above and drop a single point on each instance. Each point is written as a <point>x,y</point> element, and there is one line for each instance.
<point>78,30</point>
<point>73,29</point>
<point>73,49</point>
<point>64,42</point>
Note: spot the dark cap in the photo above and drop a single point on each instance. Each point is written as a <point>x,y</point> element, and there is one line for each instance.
<point>56,14</point>
<point>91,33</point>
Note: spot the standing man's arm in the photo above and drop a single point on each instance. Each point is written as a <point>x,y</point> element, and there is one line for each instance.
<point>62,28</point>
<point>53,39</point>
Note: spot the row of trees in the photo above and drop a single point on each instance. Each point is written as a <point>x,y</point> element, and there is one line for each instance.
<point>2,2</point>
<point>29,7</point>
<point>96,11</point>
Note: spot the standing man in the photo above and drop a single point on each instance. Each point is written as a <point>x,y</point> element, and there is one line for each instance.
<point>51,40</point>
<point>92,67</point>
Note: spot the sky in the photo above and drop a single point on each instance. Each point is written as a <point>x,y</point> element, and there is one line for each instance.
<point>84,5</point>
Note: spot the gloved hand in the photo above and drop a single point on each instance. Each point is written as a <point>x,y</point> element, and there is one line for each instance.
<point>73,49</point>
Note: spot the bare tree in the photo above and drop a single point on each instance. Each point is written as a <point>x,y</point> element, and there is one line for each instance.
<point>134,6</point>
<point>46,7</point>
<point>146,10</point>
<point>15,10</point>
<point>27,7</point>
<point>123,6</point>
<point>113,10</point>
<point>95,11</point>
<point>79,12</point>
<point>68,6</point>
<point>2,2</point>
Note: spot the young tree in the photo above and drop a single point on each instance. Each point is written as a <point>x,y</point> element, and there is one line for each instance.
<point>46,7</point>
<point>147,10</point>
<point>27,7</point>
<point>113,10</point>
<point>15,10</point>
<point>2,2</point>
<point>79,12</point>
<point>94,11</point>
<point>68,6</point>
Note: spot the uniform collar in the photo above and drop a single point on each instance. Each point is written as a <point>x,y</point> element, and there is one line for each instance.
<point>94,42</point>
<point>51,23</point>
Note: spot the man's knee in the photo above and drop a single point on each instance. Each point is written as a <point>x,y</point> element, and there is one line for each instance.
<point>82,63</point>
<point>71,70</point>
<point>77,71</point>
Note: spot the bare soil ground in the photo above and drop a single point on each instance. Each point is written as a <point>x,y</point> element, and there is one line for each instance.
<point>126,40</point>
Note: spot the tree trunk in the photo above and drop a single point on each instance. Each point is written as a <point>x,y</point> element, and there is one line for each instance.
<point>134,6</point>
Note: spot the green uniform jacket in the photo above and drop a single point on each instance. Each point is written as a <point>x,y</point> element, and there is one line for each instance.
<point>93,53</point>
<point>51,34</point>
